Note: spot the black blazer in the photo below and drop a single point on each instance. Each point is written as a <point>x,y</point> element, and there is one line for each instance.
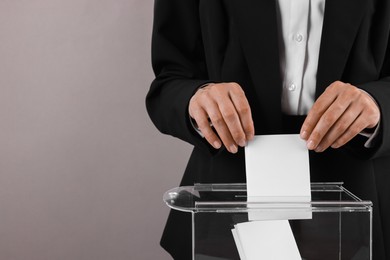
<point>200,41</point>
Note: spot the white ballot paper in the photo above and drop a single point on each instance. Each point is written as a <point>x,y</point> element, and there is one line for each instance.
<point>277,170</point>
<point>271,240</point>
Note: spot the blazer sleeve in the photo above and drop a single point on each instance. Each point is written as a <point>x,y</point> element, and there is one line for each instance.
<point>380,91</point>
<point>179,65</point>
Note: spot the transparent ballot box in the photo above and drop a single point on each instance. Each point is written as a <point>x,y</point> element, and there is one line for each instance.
<point>339,225</point>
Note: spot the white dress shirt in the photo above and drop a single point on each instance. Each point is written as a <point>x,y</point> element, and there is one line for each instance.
<point>300,28</point>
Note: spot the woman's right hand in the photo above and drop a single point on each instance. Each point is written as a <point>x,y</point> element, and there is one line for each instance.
<point>224,107</point>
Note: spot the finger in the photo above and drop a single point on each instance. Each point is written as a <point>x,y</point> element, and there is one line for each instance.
<point>371,111</point>
<point>354,129</point>
<point>343,123</point>
<point>316,112</point>
<point>242,107</point>
<point>326,122</point>
<point>232,121</point>
<point>201,119</point>
<point>220,126</point>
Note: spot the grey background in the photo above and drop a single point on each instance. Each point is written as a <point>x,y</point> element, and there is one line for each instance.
<point>82,168</point>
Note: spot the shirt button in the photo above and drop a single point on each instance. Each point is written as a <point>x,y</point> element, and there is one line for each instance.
<point>292,87</point>
<point>298,37</point>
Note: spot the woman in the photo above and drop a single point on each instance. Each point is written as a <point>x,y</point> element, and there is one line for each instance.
<point>227,70</point>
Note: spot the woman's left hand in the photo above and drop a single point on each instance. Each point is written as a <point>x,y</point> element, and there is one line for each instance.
<point>338,115</point>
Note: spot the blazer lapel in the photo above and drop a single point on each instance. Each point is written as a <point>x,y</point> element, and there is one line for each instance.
<point>341,22</point>
<point>257,24</point>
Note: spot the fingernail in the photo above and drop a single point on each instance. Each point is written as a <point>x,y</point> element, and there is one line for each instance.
<point>310,145</point>
<point>242,143</point>
<point>233,149</point>
<point>250,137</point>
<point>304,135</point>
<point>334,146</point>
<point>217,145</point>
<point>318,149</point>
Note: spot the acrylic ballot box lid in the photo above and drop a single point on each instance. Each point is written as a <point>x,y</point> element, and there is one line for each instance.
<point>325,197</point>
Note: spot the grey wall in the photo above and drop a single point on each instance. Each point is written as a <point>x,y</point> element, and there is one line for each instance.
<point>82,169</point>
